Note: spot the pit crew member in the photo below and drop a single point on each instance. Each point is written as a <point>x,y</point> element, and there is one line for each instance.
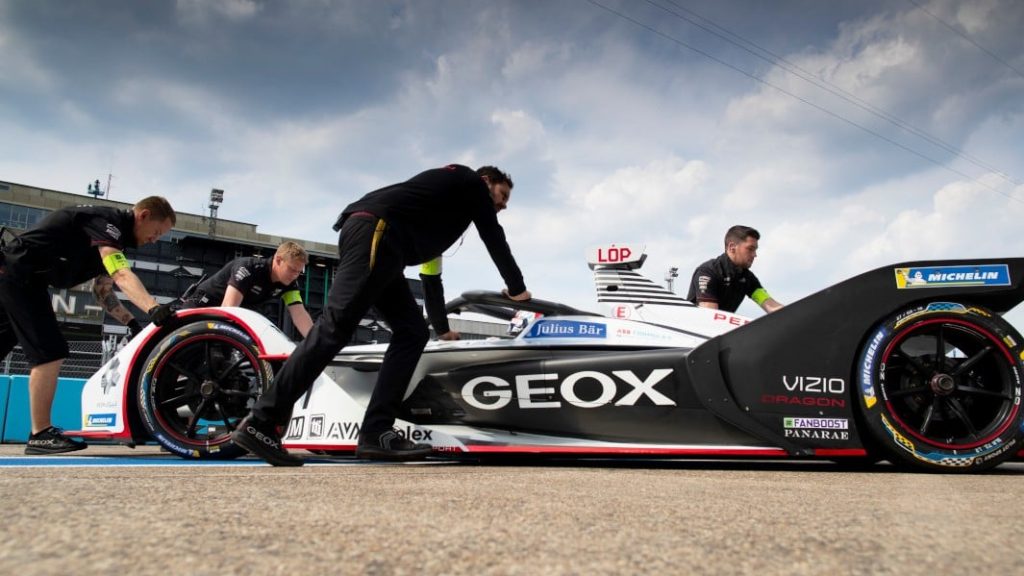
<point>401,225</point>
<point>250,281</point>
<point>433,299</point>
<point>66,248</point>
<point>722,282</point>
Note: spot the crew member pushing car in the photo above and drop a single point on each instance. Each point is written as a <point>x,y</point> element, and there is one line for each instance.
<point>723,282</point>
<point>68,247</point>
<point>433,300</point>
<point>380,234</point>
<point>250,281</point>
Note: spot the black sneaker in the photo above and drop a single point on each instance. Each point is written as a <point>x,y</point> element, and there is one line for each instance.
<point>388,445</point>
<point>52,441</point>
<point>262,440</point>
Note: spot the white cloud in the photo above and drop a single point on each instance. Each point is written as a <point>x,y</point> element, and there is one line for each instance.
<point>179,102</point>
<point>768,185</point>
<point>441,85</point>
<point>653,194</point>
<point>869,63</point>
<point>842,238</point>
<point>962,222</point>
<point>517,130</point>
<point>976,17</point>
<point>199,12</point>
<point>526,62</point>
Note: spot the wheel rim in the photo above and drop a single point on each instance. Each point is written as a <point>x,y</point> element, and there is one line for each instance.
<point>949,383</point>
<point>203,386</point>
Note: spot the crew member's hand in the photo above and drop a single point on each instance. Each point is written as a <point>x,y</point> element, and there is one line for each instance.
<point>450,335</point>
<point>160,313</point>
<point>521,297</point>
<point>133,328</point>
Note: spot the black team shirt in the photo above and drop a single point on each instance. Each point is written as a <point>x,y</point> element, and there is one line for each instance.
<point>431,210</point>
<point>62,249</point>
<point>250,276</point>
<point>719,280</point>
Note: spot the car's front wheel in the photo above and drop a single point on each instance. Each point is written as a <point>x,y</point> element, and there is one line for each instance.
<point>197,385</point>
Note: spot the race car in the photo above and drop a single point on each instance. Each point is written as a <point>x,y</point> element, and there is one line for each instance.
<point>910,363</point>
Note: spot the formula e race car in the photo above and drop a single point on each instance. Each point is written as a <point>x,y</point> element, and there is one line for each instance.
<point>910,363</point>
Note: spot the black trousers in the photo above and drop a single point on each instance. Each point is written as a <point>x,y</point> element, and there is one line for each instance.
<point>26,317</point>
<point>370,273</point>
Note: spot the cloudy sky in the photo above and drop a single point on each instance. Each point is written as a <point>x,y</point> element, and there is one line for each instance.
<point>853,134</point>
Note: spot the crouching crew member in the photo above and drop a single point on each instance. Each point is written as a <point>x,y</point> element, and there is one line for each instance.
<point>250,281</point>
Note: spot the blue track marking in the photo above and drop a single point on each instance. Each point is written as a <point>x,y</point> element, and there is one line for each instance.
<point>165,460</point>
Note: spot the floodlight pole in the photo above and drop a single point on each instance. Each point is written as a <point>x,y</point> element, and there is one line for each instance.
<point>216,198</point>
<point>93,189</point>
<point>670,276</point>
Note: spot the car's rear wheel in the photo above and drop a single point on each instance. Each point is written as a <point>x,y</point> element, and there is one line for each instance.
<point>940,388</point>
<point>197,385</point>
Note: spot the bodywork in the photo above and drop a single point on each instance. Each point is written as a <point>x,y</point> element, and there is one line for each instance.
<point>654,376</point>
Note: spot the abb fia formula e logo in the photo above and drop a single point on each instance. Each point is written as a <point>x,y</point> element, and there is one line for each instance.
<point>533,391</point>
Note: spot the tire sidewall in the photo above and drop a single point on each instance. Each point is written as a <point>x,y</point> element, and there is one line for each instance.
<point>889,432</point>
<point>222,448</point>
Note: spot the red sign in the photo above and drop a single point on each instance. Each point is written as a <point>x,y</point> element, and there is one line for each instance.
<point>613,255</point>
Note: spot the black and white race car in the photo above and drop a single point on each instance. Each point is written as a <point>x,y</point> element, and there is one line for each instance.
<point>911,363</point>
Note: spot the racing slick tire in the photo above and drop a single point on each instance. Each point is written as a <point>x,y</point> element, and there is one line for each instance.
<point>939,388</point>
<point>197,385</point>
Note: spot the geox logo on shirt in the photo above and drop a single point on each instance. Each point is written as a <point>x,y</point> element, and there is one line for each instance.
<point>113,231</point>
<point>242,274</point>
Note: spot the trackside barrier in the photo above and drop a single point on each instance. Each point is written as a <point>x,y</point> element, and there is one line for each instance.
<point>5,389</point>
<point>14,411</point>
<point>84,359</point>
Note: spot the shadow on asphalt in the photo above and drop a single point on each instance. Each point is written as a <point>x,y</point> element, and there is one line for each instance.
<point>110,455</point>
<point>825,466</point>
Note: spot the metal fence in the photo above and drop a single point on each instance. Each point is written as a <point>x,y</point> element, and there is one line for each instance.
<point>85,358</point>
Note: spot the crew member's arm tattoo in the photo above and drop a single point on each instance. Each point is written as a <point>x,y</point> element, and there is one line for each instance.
<point>103,290</point>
